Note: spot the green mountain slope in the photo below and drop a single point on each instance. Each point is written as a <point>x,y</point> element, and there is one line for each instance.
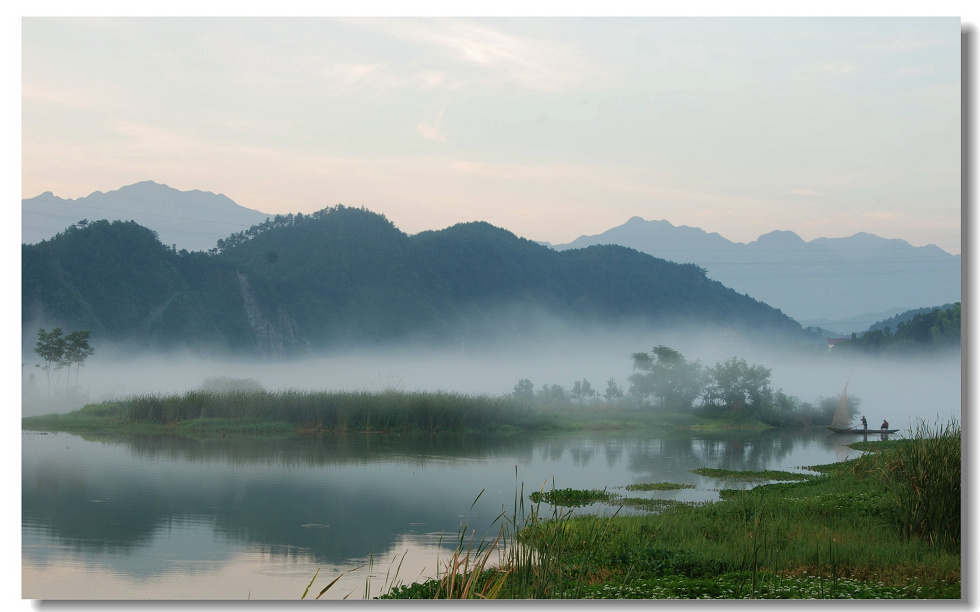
<point>301,283</point>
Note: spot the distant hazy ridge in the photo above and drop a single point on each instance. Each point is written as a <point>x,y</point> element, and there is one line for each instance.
<point>849,282</point>
<point>842,284</point>
<point>192,220</point>
<point>343,276</point>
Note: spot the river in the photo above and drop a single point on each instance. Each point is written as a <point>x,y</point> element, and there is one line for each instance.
<point>158,517</point>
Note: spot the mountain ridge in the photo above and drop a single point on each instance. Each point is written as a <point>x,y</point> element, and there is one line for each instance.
<point>342,276</point>
<point>818,282</point>
<point>193,220</point>
<point>844,284</point>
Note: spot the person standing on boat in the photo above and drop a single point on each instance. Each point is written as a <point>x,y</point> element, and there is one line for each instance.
<point>864,423</point>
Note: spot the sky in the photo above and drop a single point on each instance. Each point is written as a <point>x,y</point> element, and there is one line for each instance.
<point>550,127</point>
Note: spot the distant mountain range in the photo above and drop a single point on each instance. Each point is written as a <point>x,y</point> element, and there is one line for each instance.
<point>192,220</point>
<point>297,284</point>
<point>842,284</point>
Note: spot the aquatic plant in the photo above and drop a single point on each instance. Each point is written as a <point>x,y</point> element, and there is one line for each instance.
<point>924,476</point>
<point>571,498</point>
<point>658,486</point>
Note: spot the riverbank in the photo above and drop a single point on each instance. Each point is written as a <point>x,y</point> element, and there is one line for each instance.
<point>204,413</point>
<point>883,526</point>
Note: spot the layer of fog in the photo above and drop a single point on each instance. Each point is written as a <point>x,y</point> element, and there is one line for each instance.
<point>903,390</point>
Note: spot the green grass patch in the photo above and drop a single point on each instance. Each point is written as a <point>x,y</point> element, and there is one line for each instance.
<point>658,486</point>
<point>749,476</point>
<point>571,498</point>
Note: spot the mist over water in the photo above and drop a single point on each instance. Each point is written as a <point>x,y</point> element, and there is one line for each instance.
<point>904,390</point>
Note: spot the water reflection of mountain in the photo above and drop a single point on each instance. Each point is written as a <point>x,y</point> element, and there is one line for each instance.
<point>334,498</point>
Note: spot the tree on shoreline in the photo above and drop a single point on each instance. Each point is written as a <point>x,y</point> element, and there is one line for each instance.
<point>59,351</point>
<point>77,350</point>
<point>50,348</point>
<point>736,385</point>
<point>667,376</point>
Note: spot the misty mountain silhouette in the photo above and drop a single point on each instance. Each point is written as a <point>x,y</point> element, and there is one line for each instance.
<point>305,283</point>
<point>192,220</point>
<point>845,284</point>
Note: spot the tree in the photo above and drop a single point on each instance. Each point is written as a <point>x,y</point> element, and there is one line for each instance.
<point>60,351</point>
<point>736,385</point>
<point>77,350</point>
<point>667,376</point>
<point>582,389</point>
<point>50,348</point>
<point>524,390</point>
<point>613,391</point>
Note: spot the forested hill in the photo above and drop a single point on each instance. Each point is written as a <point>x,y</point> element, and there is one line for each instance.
<point>301,283</point>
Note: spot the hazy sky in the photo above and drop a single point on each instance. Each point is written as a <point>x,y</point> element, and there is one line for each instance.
<point>549,127</point>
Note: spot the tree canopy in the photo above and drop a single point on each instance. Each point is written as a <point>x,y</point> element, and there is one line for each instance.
<point>342,275</point>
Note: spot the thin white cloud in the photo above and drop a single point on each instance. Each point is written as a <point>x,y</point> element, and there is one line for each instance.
<point>347,75</point>
<point>529,62</point>
<point>838,68</point>
<point>430,78</point>
<point>432,131</point>
<point>67,96</point>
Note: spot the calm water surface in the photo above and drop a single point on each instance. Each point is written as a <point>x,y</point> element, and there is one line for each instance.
<point>154,517</point>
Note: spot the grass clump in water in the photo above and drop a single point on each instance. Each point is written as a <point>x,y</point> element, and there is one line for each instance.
<point>749,476</point>
<point>571,498</point>
<point>658,486</point>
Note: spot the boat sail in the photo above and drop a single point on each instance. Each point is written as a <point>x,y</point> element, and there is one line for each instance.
<point>842,417</point>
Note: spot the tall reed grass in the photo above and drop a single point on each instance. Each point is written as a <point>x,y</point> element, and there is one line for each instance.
<point>353,411</point>
<point>924,475</point>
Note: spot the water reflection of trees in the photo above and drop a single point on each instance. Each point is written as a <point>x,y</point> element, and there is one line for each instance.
<point>320,450</point>
<point>279,494</point>
<point>730,450</point>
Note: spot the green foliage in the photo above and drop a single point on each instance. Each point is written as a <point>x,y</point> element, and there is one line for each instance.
<point>613,390</point>
<point>665,375</point>
<point>735,385</point>
<point>924,476</point>
<point>570,498</point>
<point>524,390</point>
<point>830,536</point>
<point>323,411</point>
<point>344,275</point>
<point>658,486</point>
<point>117,280</point>
<point>930,330</point>
<point>747,476</point>
<point>59,351</point>
<point>226,384</point>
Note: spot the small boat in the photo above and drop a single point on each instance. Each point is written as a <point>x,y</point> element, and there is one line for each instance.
<point>842,419</point>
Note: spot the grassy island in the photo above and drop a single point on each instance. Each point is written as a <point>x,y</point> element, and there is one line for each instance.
<point>260,412</point>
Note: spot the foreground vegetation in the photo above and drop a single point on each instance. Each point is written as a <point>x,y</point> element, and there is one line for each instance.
<point>883,526</point>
